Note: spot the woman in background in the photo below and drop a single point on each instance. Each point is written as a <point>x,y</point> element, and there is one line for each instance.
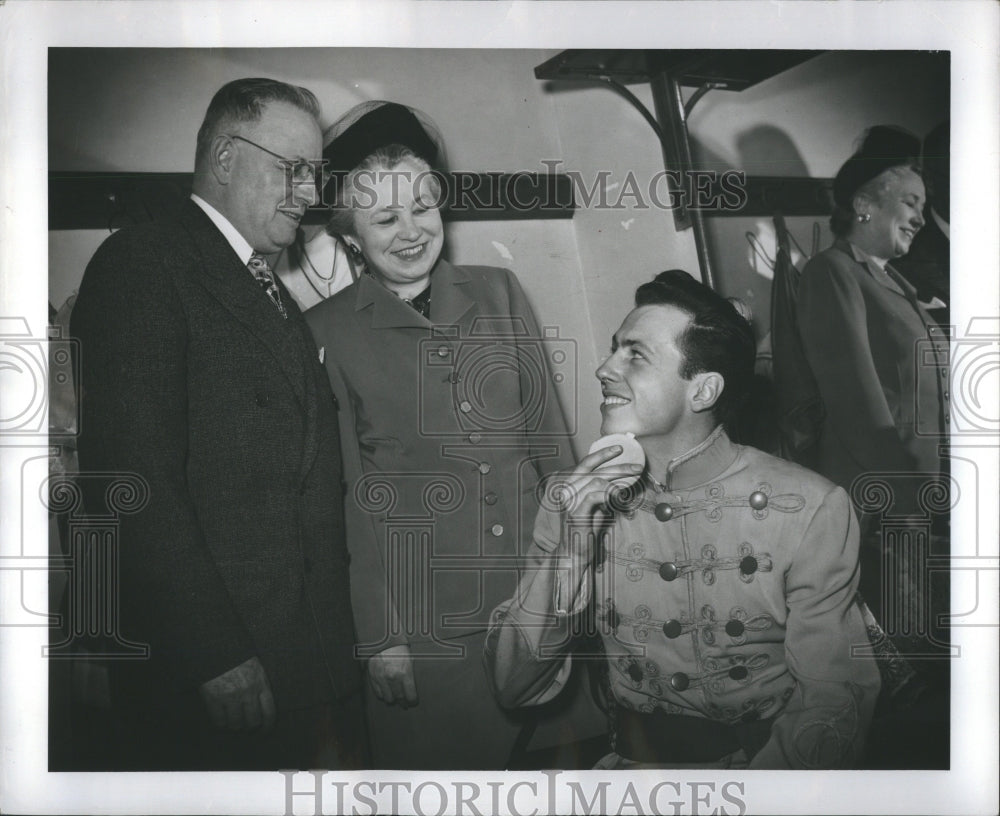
<point>880,362</point>
<point>862,327</point>
<point>448,420</point>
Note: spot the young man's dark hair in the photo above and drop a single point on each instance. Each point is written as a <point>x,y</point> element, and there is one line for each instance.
<point>717,339</point>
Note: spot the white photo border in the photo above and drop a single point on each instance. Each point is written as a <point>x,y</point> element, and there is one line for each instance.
<point>967,29</point>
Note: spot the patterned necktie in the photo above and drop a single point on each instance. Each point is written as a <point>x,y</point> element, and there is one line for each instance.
<point>265,277</point>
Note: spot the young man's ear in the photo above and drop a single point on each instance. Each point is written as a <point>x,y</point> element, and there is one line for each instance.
<point>706,388</point>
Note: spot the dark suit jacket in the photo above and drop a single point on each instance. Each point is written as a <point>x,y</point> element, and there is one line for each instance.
<point>872,349</point>
<point>193,381</point>
<point>457,417</point>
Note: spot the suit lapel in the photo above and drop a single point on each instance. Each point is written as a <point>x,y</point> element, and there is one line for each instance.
<point>449,297</point>
<point>880,277</point>
<point>232,284</point>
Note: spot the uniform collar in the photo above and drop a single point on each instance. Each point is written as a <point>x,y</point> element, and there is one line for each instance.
<point>705,461</point>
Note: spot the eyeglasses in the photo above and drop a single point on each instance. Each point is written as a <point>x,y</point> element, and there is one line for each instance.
<point>303,170</point>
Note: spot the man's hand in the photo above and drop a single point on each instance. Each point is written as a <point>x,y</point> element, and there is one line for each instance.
<point>391,674</point>
<point>240,699</point>
<point>583,494</point>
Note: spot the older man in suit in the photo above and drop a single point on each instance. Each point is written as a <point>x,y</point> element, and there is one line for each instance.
<point>201,378</point>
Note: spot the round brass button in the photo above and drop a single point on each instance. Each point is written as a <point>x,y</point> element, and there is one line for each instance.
<point>758,500</point>
<point>679,681</point>
<point>475,437</point>
<point>465,406</point>
<point>485,467</point>
<point>497,530</point>
<point>672,629</point>
<point>490,498</point>
<point>664,512</point>
<point>748,566</point>
<point>734,628</point>
<point>668,571</point>
<point>739,673</point>
<point>443,351</point>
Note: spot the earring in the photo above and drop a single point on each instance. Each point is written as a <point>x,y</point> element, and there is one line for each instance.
<point>864,218</point>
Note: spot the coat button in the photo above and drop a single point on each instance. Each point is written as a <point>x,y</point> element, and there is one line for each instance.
<point>635,672</point>
<point>679,681</point>
<point>443,351</point>
<point>485,467</point>
<point>465,406</point>
<point>758,500</point>
<point>263,399</point>
<point>668,571</point>
<point>664,512</point>
<point>672,629</point>
<point>490,498</point>
<point>748,566</point>
<point>739,673</point>
<point>947,419</point>
<point>734,628</point>
<point>497,530</point>
<point>946,395</point>
<point>475,437</point>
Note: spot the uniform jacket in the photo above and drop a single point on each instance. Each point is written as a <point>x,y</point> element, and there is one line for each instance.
<point>730,595</point>
<point>193,381</point>
<point>447,425</point>
<point>880,363</point>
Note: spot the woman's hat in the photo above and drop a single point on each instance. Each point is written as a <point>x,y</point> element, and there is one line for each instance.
<point>884,146</point>
<point>370,126</point>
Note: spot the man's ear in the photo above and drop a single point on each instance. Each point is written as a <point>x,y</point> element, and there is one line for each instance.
<point>705,390</point>
<point>222,157</point>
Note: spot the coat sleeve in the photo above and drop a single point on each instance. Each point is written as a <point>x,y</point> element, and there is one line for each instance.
<point>133,346</point>
<point>539,394</point>
<point>526,653</point>
<point>826,720</point>
<point>833,323</point>
<point>375,617</point>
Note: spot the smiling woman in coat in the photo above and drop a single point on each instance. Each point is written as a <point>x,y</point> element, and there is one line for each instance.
<point>449,418</point>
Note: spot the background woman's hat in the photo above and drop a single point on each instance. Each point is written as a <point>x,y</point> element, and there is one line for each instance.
<point>372,125</point>
<point>884,146</point>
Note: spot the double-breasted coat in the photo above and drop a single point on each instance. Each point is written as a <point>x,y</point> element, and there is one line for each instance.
<point>447,425</point>
<point>194,382</point>
<point>727,596</point>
